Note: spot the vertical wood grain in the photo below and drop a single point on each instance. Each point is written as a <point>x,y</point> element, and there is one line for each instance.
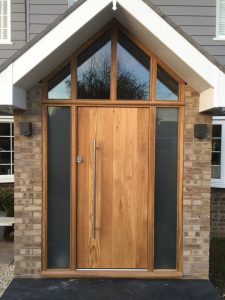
<point>122,136</point>
<point>83,189</point>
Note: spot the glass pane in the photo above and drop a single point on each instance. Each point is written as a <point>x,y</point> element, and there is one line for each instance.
<point>166,87</point>
<point>216,144</point>
<point>216,158</point>
<point>59,87</point>
<point>5,157</point>
<point>165,226</point>
<point>216,151</point>
<point>93,70</point>
<point>58,246</point>
<point>4,143</point>
<point>216,172</point>
<point>5,170</point>
<point>133,70</point>
<point>4,129</point>
<point>216,131</point>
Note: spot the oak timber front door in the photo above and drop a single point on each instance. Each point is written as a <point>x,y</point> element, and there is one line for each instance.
<point>112,192</point>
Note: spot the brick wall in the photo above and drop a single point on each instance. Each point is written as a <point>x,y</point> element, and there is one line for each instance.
<point>218,213</point>
<point>28,187</point>
<point>196,191</point>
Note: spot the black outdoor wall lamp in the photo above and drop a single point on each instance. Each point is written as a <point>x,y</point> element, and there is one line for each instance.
<point>26,128</point>
<point>200,131</point>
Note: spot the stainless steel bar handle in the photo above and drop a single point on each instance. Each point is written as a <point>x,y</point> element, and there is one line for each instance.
<point>94,191</point>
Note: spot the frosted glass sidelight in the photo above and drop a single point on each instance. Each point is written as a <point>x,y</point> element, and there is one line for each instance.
<point>165,225</point>
<point>58,205</point>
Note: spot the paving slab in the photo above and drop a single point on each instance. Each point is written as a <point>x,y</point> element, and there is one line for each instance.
<point>110,289</point>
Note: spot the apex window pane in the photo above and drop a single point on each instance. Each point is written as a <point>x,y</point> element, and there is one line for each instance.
<point>93,70</point>
<point>133,71</point>
<point>59,87</point>
<point>167,88</point>
<point>165,225</point>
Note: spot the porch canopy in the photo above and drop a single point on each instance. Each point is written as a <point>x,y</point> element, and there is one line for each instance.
<point>69,31</point>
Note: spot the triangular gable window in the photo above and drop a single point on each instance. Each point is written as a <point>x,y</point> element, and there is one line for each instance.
<point>114,66</point>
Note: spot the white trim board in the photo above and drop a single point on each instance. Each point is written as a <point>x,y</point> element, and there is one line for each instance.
<point>186,60</point>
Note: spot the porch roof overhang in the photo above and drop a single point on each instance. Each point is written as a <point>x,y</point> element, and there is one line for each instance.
<point>39,57</point>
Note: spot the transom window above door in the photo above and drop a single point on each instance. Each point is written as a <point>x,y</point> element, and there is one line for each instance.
<point>116,66</point>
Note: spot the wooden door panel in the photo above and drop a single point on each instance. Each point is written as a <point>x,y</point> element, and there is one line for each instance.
<point>121,188</point>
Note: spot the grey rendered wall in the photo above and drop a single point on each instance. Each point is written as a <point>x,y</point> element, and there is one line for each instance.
<point>44,12</point>
<point>18,34</point>
<point>198,19</point>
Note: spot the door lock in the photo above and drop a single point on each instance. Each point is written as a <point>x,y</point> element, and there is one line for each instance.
<point>79,159</point>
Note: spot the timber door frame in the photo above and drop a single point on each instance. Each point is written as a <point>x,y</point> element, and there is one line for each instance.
<point>152,104</point>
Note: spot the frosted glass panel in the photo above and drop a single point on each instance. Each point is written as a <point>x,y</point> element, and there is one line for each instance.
<point>58,224</point>
<point>166,188</point>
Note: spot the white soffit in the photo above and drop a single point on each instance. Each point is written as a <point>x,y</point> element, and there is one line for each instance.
<point>187,61</point>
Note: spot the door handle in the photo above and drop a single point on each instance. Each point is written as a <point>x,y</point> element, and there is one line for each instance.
<point>94,191</point>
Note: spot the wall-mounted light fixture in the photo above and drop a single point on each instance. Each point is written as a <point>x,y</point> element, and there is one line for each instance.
<point>26,128</point>
<point>200,131</point>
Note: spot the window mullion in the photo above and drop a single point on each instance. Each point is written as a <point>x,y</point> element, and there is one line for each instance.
<point>113,79</point>
<point>153,77</point>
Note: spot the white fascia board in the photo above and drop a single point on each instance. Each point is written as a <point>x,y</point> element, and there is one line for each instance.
<point>214,97</point>
<point>19,98</point>
<point>172,39</point>
<point>207,99</point>
<point>56,37</point>
<point>6,86</point>
<point>220,91</point>
<point>11,95</point>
